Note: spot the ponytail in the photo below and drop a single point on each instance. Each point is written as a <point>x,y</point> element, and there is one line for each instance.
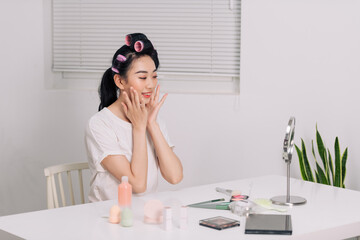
<point>107,90</point>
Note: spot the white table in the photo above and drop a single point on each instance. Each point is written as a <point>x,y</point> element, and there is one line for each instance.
<point>330,213</point>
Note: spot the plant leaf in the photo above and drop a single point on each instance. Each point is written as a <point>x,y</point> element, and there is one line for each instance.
<point>301,163</point>
<point>306,162</point>
<point>327,168</point>
<point>312,149</point>
<point>322,176</point>
<point>338,168</point>
<point>321,147</point>
<point>317,177</point>
<point>313,153</point>
<point>343,164</point>
<point>331,165</point>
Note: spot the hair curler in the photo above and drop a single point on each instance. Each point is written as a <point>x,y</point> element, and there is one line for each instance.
<point>130,39</point>
<point>121,58</point>
<point>114,70</point>
<point>140,45</point>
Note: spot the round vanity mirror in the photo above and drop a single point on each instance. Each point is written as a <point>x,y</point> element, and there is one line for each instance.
<point>289,140</point>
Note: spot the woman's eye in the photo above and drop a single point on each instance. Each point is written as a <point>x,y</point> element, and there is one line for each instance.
<point>155,76</point>
<point>143,78</point>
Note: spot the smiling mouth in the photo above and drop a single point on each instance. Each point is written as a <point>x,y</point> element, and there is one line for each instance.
<point>146,95</point>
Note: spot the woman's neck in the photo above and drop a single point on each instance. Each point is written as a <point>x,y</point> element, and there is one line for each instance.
<point>117,109</point>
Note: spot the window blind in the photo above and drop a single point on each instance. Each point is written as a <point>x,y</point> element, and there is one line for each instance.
<point>193,38</point>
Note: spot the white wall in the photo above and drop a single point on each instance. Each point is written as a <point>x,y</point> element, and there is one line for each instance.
<point>299,57</point>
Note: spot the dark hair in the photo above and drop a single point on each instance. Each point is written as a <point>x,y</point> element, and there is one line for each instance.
<point>137,45</point>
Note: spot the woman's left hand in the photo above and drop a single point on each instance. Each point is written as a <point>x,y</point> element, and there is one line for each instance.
<point>154,105</point>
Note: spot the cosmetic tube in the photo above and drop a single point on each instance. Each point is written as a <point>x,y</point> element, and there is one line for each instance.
<point>183,218</point>
<point>167,219</point>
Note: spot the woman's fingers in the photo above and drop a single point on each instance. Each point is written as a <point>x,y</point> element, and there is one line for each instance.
<point>142,102</point>
<point>159,104</point>
<point>132,95</point>
<point>151,99</point>
<point>127,100</point>
<point>163,100</point>
<point>125,108</point>
<point>157,94</point>
<point>136,98</point>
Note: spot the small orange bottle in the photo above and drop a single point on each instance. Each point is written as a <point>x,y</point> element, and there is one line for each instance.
<point>124,192</point>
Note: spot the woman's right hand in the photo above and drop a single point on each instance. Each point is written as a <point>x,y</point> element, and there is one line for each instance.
<point>135,110</point>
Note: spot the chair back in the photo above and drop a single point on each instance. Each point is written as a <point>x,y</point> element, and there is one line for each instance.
<point>54,172</point>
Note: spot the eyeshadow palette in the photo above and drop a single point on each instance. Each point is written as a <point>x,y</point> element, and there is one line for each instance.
<point>219,222</point>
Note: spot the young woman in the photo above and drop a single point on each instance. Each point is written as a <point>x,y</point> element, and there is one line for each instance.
<point>126,138</point>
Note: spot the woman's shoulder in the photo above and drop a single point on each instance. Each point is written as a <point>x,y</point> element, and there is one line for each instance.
<point>99,119</point>
<point>105,119</point>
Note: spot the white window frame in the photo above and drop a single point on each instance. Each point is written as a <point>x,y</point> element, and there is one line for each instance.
<point>170,82</point>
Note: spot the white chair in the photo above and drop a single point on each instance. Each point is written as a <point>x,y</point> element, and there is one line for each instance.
<point>50,172</point>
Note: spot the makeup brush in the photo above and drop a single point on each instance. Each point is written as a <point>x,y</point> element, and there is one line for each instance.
<point>234,194</point>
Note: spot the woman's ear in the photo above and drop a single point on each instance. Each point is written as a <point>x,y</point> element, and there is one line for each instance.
<point>119,81</point>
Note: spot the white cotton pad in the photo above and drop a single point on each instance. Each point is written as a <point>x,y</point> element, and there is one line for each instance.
<point>153,212</point>
<point>114,216</point>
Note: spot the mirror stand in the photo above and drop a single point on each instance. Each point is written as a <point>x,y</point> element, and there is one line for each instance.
<point>287,155</point>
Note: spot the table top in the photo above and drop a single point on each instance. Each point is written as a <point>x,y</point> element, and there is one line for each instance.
<point>330,212</point>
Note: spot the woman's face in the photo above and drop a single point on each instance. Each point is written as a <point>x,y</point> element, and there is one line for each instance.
<point>142,76</point>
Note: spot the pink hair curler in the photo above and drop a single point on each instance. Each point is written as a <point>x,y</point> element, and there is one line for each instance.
<point>114,70</point>
<point>128,40</point>
<point>132,38</point>
<point>139,46</point>
<point>121,58</point>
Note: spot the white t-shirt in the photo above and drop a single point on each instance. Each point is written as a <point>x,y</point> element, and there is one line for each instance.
<point>105,135</point>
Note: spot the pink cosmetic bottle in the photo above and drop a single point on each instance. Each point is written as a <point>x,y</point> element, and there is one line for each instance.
<point>124,193</point>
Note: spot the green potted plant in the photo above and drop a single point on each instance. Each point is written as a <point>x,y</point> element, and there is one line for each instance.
<point>331,172</point>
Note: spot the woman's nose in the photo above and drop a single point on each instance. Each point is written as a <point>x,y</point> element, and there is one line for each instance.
<point>151,83</point>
